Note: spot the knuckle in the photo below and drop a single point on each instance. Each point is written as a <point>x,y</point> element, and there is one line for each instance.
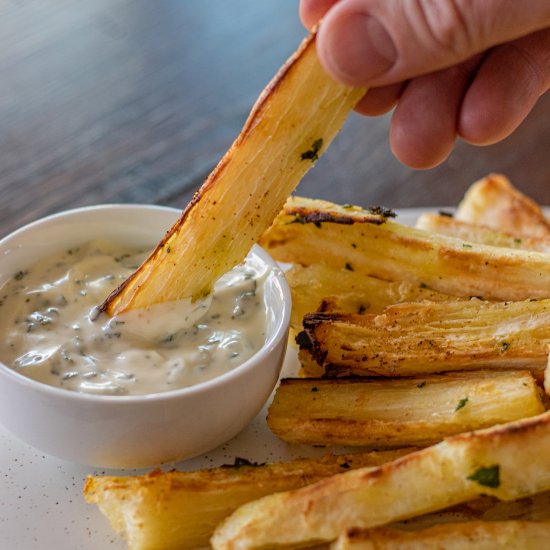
<point>537,66</point>
<point>448,25</point>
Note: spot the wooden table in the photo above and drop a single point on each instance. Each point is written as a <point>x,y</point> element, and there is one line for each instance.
<point>135,101</point>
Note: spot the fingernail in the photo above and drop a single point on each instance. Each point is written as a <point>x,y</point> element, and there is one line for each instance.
<point>357,48</point>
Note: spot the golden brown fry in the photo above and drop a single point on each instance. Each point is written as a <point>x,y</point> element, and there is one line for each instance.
<point>320,287</point>
<point>482,535</point>
<point>492,462</point>
<point>290,126</point>
<point>175,510</point>
<point>533,508</point>
<point>494,202</point>
<point>469,232</point>
<point>416,338</point>
<point>381,414</point>
<point>311,231</point>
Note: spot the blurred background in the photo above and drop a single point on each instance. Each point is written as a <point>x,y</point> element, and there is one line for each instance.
<point>136,101</point>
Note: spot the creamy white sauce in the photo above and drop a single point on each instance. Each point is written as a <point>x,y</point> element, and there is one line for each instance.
<point>48,334</point>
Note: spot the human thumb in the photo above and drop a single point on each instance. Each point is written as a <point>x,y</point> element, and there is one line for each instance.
<point>380,42</point>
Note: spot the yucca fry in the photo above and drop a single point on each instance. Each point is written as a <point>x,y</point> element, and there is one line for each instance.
<point>485,508</point>
<point>491,462</point>
<point>169,510</point>
<point>482,535</point>
<point>290,126</point>
<point>469,232</point>
<point>382,414</point>
<point>341,290</point>
<point>494,202</point>
<point>413,339</point>
<point>482,509</point>
<point>311,231</point>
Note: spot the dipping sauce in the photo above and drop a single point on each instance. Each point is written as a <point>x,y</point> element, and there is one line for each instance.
<point>48,334</point>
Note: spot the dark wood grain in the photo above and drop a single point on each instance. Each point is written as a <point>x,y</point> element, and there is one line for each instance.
<point>135,101</point>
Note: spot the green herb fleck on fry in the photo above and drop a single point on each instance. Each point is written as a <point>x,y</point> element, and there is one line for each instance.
<point>487,476</point>
<point>313,153</point>
<point>462,403</point>
<point>298,219</point>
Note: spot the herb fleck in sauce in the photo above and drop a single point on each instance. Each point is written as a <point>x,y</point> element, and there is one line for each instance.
<point>51,333</point>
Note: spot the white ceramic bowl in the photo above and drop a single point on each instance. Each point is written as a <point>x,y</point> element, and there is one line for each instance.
<point>134,431</point>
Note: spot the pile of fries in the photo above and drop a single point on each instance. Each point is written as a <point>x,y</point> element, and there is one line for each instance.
<point>425,347</point>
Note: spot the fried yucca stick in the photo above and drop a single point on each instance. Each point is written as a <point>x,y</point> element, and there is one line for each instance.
<point>469,232</point>
<point>492,462</point>
<point>169,510</point>
<point>416,338</point>
<point>311,231</point>
<point>290,126</point>
<point>494,202</point>
<point>341,290</point>
<point>382,414</point>
<point>482,535</point>
<point>485,508</point>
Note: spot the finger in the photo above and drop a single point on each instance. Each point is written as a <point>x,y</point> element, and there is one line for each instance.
<point>423,127</point>
<point>378,101</point>
<point>373,43</point>
<point>506,88</point>
<point>311,11</point>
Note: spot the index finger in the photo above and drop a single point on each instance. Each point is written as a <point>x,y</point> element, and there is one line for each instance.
<point>311,11</point>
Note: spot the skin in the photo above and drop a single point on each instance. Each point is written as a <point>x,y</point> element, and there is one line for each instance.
<point>450,68</point>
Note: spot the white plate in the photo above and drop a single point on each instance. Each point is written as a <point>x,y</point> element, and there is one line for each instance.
<point>41,503</point>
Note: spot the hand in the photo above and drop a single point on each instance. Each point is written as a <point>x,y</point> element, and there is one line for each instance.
<point>472,68</point>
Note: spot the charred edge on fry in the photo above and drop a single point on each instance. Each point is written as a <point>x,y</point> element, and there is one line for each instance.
<point>304,215</point>
<point>306,338</point>
<point>383,211</point>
